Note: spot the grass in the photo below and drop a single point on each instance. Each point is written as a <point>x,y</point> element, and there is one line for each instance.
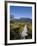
<point>16,28</point>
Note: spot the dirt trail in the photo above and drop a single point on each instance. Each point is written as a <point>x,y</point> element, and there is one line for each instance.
<point>24,33</point>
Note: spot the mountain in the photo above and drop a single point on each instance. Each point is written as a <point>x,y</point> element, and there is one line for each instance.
<point>26,19</point>
<point>22,20</point>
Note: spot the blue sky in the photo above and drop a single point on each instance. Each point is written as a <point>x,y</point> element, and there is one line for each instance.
<point>21,11</point>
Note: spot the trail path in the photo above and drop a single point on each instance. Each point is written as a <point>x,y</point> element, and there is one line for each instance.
<point>24,33</point>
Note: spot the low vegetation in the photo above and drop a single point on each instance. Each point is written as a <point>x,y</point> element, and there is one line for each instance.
<point>17,27</point>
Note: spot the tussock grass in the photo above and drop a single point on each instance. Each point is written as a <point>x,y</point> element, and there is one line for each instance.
<point>16,28</point>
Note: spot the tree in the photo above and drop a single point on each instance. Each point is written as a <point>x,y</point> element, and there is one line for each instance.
<point>11,17</point>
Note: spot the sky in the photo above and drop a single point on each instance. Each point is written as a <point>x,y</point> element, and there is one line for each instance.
<point>21,12</point>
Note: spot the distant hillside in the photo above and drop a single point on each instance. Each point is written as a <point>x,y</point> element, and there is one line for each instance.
<point>26,19</point>
<point>22,20</point>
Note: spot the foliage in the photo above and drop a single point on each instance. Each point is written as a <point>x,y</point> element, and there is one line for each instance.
<point>16,28</point>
